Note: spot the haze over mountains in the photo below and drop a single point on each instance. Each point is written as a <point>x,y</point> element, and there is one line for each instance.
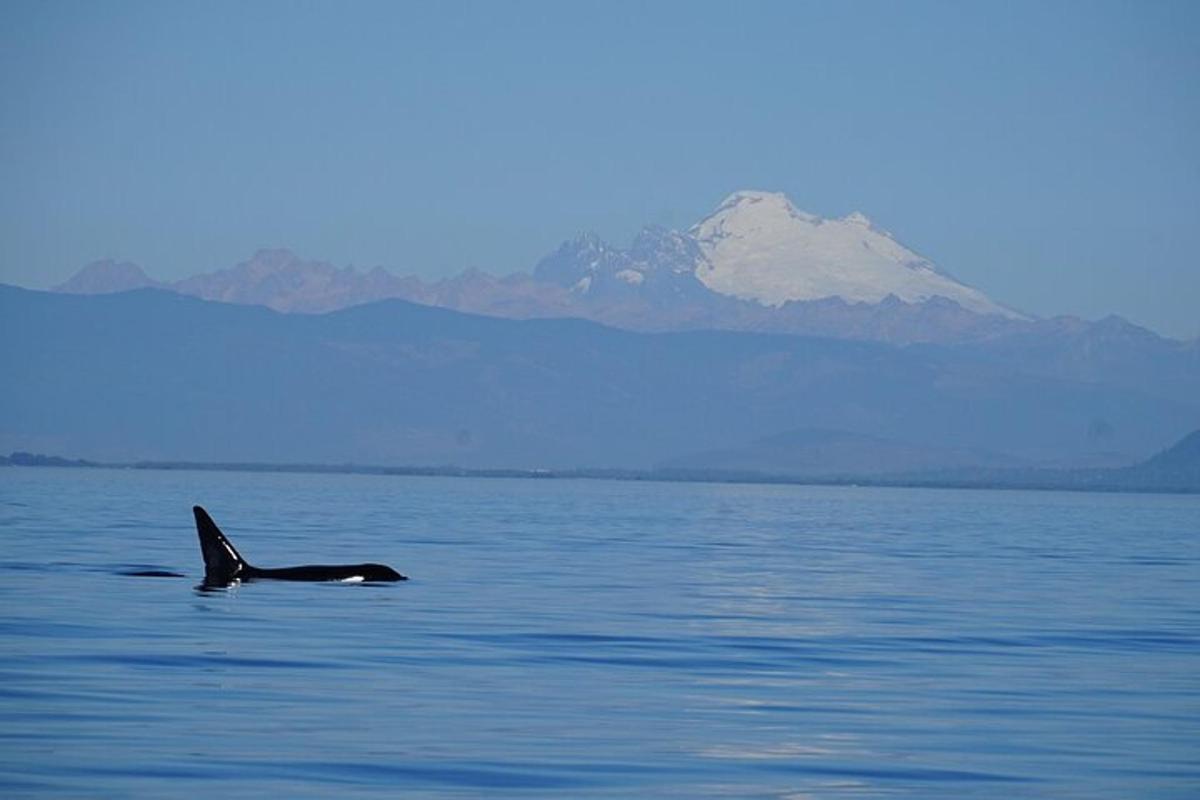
<point>756,263</point>
<point>762,339</point>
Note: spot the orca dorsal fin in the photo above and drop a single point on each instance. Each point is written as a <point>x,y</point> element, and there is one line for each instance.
<point>222,562</point>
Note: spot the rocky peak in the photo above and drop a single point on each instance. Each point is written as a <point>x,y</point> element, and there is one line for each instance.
<point>660,249</point>
<point>105,277</point>
<point>576,262</point>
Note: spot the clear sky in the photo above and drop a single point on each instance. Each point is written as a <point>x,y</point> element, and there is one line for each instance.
<point>1047,153</point>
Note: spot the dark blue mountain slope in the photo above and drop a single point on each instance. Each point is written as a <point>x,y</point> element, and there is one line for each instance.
<point>153,375</point>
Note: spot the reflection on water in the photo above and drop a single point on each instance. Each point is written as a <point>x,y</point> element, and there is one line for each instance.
<point>588,638</point>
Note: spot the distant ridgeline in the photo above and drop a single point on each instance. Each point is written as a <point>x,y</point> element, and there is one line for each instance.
<point>23,459</point>
<point>757,263</point>
<point>1176,469</point>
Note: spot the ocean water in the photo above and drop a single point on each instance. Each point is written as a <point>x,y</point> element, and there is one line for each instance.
<point>591,638</point>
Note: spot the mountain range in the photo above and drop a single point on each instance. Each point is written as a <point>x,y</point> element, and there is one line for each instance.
<point>152,374</point>
<point>761,339</point>
<point>756,263</point>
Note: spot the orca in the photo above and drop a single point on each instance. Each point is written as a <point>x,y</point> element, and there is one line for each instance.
<point>223,565</point>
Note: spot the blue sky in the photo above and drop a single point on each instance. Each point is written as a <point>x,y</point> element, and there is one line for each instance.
<point>1044,152</point>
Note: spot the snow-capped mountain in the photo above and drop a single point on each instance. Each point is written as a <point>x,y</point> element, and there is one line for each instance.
<point>758,246</point>
<point>756,263</point>
<point>759,249</point>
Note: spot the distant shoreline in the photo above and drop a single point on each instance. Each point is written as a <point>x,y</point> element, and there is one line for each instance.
<point>1095,480</point>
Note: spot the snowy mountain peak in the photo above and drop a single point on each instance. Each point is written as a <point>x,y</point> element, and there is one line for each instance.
<point>764,206</point>
<point>758,246</point>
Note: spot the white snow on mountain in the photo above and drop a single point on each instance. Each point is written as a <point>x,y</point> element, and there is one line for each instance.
<point>758,246</point>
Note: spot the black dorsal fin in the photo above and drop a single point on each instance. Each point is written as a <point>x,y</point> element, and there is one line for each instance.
<point>222,562</point>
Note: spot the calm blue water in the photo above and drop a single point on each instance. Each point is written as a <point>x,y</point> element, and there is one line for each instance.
<point>591,638</point>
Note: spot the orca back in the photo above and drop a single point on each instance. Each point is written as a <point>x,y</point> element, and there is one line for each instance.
<point>222,562</point>
<point>375,573</point>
